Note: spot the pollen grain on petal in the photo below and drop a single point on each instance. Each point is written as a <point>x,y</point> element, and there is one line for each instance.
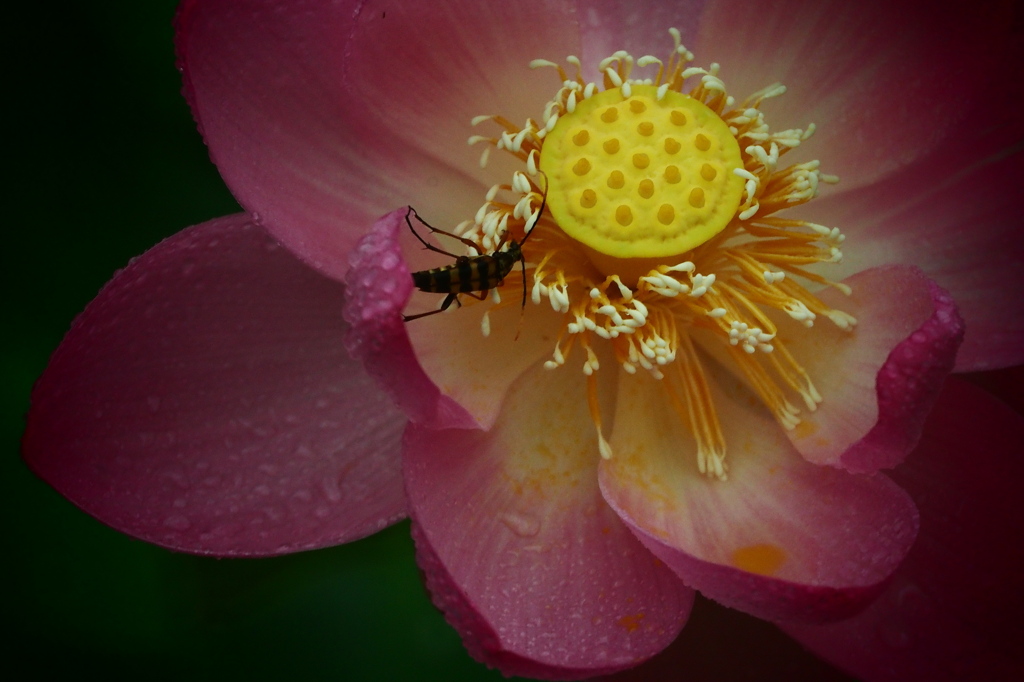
<point>762,558</point>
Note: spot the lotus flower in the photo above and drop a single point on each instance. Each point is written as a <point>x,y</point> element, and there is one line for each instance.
<point>711,415</point>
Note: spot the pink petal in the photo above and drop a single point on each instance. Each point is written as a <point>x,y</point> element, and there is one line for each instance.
<point>956,216</point>
<point>639,27</point>
<point>875,76</point>
<point>379,286</point>
<point>266,83</point>
<point>725,645</point>
<point>204,402</point>
<point>476,371</point>
<point>325,116</point>
<point>422,71</point>
<point>519,550</point>
<point>781,538</point>
<point>880,381</point>
<point>952,612</point>
<point>1005,384</point>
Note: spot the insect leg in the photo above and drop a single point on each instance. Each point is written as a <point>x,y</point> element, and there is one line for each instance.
<point>467,242</point>
<point>448,300</point>
<point>426,244</point>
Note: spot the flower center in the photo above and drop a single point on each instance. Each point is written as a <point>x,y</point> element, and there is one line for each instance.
<point>648,175</point>
<point>658,238</point>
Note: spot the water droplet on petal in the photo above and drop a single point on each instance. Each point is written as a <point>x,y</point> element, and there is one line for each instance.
<point>177,475</point>
<point>332,492</point>
<point>177,522</point>
<point>522,525</point>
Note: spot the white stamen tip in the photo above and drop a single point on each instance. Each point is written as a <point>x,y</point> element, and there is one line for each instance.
<point>531,162</point>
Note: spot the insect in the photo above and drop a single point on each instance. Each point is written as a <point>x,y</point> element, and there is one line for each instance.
<point>472,275</point>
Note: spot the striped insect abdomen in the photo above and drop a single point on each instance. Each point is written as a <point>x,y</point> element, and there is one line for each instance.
<point>468,273</point>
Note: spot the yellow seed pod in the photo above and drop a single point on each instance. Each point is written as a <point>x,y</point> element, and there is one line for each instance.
<point>639,177</point>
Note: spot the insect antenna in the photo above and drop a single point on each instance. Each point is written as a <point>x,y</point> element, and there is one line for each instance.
<point>428,245</point>
<point>540,213</point>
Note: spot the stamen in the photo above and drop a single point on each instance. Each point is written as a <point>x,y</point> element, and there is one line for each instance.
<point>595,414</point>
<point>697,410</point>
<point>697,165</point>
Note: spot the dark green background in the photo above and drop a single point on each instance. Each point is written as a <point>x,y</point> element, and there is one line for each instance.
<point>102,162</point>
